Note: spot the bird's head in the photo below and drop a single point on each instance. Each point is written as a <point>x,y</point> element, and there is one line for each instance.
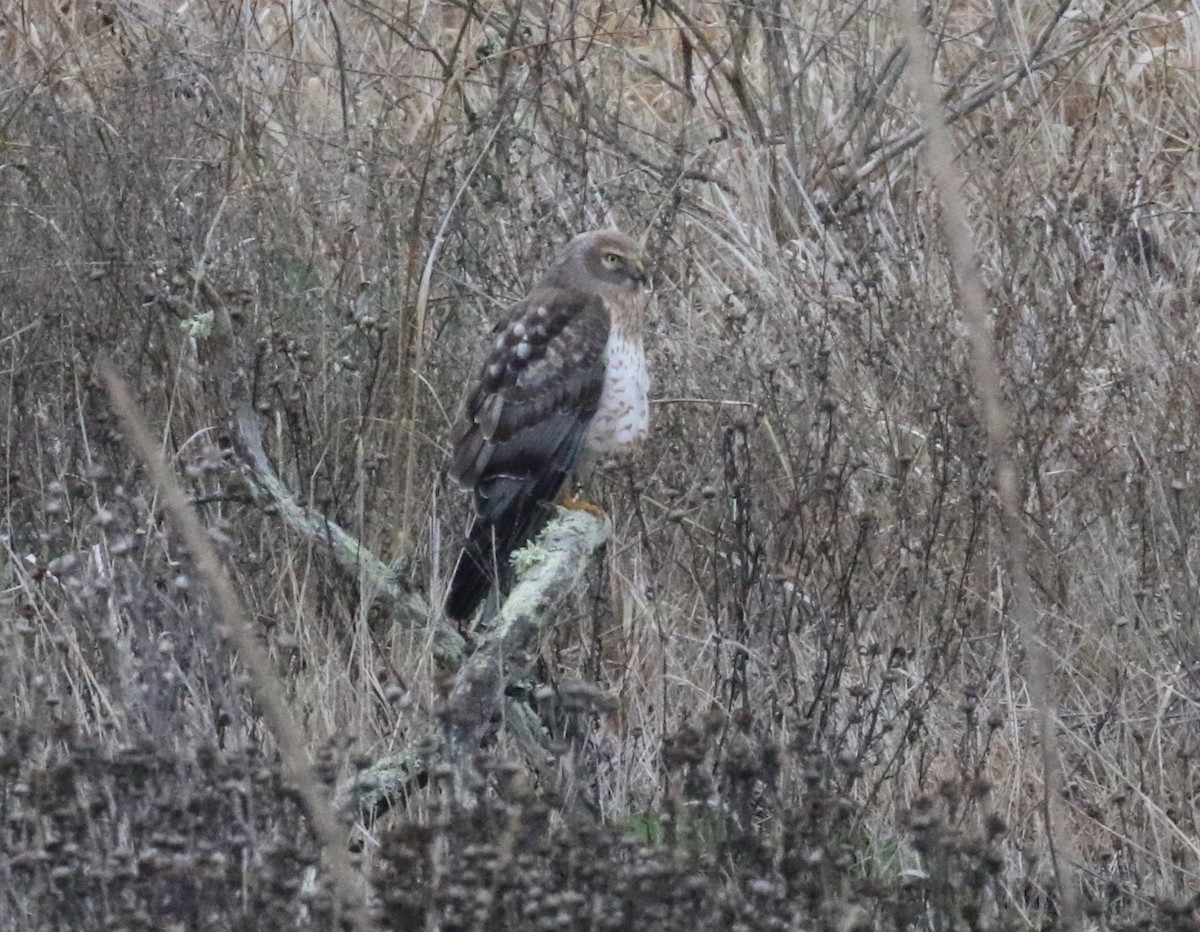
<point>606,257</point>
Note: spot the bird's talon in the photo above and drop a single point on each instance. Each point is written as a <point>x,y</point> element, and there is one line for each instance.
<point>571,503</point>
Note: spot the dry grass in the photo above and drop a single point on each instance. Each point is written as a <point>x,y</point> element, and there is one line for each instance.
<point>805,631</point>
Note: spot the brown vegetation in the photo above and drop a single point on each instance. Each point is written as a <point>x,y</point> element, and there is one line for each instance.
<point>796,694</point>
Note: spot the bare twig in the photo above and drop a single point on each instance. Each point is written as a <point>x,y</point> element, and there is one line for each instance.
<point>912,136</point>
<point>730,70</point>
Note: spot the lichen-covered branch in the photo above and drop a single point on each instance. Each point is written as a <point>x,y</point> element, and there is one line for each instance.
<point>477,706</point>
<point>377,582</point>
<point>548,570</point>
<point>395,776</point>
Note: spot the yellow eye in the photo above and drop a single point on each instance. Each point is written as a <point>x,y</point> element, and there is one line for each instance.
<point>610,260</point>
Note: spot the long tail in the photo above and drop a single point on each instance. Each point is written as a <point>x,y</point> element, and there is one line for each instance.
<point>504,522</point>
<point>475,573</point>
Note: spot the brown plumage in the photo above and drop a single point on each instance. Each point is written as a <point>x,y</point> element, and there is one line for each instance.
<point>565,382</point>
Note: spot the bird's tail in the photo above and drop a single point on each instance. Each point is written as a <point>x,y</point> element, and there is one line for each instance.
<point>475,573</point>
<point>485,554</point>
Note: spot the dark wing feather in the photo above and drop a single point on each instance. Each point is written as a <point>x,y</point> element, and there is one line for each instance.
<point>523,429</point>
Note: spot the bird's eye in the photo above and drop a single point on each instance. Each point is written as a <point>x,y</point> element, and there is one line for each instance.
<point>610,260</point>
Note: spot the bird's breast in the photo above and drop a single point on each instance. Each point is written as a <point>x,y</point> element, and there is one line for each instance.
<point>623,415</point>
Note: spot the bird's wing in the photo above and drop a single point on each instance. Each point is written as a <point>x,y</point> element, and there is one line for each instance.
<point>523,428</point>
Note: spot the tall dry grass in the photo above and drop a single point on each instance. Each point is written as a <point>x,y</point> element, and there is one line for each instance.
<point>805,626</point>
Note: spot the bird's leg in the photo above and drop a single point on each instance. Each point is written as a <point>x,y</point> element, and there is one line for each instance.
<point>574,503</point>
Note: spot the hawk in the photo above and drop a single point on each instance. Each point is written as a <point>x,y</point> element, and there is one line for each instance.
<point>565,383</point>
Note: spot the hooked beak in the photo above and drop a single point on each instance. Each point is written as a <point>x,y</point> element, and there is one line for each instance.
<point>639,273</point>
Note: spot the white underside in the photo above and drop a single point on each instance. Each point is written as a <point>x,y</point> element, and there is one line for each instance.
<point>623,416</point>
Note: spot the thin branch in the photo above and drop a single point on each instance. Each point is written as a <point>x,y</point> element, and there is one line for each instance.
<point>913,136</point>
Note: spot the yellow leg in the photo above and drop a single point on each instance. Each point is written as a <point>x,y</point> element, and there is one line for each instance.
<point>569,501</point>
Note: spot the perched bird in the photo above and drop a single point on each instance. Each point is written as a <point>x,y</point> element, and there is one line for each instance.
<point>565,384</point>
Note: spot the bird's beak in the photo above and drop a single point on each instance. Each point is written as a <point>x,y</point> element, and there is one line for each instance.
<point>639,272</point>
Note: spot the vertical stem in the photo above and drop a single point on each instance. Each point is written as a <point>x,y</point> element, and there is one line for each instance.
<point>948,185</point>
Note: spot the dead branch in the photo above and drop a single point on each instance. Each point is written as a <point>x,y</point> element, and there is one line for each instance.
<point>477,707</point>
<point>547,570</point>
<point>377,581</point>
